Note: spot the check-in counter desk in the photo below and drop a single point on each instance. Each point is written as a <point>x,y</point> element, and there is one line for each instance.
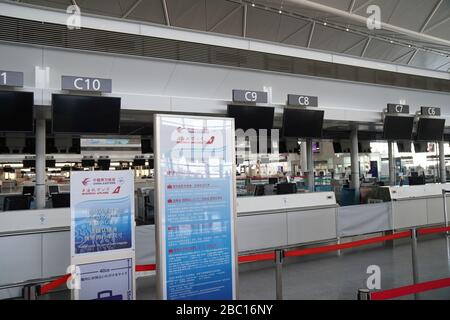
<point>417,205</point>
<point>285,220</point>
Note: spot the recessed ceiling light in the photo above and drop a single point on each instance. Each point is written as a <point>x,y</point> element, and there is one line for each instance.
<point>347,29</point>
<point>253,4</point>
<point>324,23</point>
<point>280,12</point>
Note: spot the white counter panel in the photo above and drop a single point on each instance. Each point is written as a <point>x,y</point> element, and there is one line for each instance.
<point>258,232</point>
<point>405,192</point>
<point>435,208</point>
<point>284,202</point>
<point>34,219</point>
<point>409,213</point>
<point>311,225</point>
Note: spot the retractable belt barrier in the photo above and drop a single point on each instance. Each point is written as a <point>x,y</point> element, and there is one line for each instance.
<point>409,290</point>
<point>271,256</point>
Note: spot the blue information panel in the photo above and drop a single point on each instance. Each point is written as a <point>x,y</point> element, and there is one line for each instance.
<point>195,179</point>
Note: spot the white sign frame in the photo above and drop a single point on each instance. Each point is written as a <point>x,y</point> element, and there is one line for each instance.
<point>160,206</point>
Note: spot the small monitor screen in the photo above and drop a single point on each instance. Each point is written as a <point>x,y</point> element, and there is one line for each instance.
<point>86,163</point>
<point>303,123</point>
<point>16,111</point>
<point>250,117</point>
<point>430,129</point>
<point>398,128</point>
<point>85,114</point>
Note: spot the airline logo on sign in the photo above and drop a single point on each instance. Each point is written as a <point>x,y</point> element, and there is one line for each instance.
<point>398,108</point>
<point>101,186</point>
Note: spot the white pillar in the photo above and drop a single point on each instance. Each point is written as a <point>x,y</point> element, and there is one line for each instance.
<point>40,162</point>
<point>304,157</point>
<point>310,161</point>
<point>392,180</point>
<point>442,162</point>
<point>355,184</point>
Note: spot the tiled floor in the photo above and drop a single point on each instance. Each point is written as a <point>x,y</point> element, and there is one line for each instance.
<point>338,277</point>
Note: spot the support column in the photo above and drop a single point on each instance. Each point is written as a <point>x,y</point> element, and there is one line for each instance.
<point>355,163</point>
<point>40,162</point>
<point>392,179</point>
<point>310,161</point>
<point>443,174</point>
<point>304,157</point>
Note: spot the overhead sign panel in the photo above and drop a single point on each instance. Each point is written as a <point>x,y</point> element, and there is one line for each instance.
<point>73,83</point>
<point>398,108</point>
<point>249,96</point>
<point>302,100</point>
<point>11,78</point>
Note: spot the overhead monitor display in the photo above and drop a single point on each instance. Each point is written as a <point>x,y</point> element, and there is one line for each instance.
<point>398,128</point>
<point>430,129</point>
<point>16,111</point>
<point>250,117</point>
<point>85,114</point>
<point>299,123</point>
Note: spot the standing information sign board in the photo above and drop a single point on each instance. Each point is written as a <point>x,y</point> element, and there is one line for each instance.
<point>196,214</point>
<point>102,234</point>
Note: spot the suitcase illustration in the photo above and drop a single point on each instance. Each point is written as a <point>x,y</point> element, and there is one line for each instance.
<point>108,295</point>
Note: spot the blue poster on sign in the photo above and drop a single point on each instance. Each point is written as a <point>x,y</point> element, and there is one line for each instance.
<point>102,206</point>
<point>102,225</point>
<point>196,208</point>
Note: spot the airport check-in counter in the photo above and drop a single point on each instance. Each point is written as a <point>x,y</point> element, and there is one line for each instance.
<point>285,220</point>
<point>417,205</point>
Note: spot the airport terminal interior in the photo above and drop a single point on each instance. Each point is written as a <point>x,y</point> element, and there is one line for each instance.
<point>323,129</point>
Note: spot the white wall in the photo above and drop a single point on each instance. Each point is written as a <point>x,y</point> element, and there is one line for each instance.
<point>150,84</point>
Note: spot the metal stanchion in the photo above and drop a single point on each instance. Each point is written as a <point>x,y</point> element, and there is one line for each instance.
<point>444,195</point>
<point>279,257</point>
<point>30,292</point>
<point>415,263</point>
<point>363,294</point>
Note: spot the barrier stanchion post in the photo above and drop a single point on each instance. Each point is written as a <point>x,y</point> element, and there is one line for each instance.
<point>30,292</point>
<point>415,263</point>
<point>363,294</point>
<point>279,257</point>
<point>444,196</point>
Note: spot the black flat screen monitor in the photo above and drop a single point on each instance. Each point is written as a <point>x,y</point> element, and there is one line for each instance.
<point>302,123</point>
<point>104,164</point>
<point>420,147</point>
<point>50,163</point>
<point>337,146</point>
<point>87,163</point>
<point>397,128</point>
<point>146,146</point>
<point>29,163</point>
<point>85,114</point>
<point>430,129</point>
<point>53,189</point>
<point>138,162</point>
<point>28,190</point>
<point>61,200</point>
<point>13,203</point>
<point>249,117</point>
<point>286,188</point>
<point>404,147</point>
<point>16,111</point>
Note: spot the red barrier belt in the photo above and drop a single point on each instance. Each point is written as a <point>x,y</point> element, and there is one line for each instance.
<point>271,255</point>
<point>147,267</point>
<point>408,290</point>
<point>257,257</point>
<point>44,289</point>
<point>426,231</point>
<point>347,245</point>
